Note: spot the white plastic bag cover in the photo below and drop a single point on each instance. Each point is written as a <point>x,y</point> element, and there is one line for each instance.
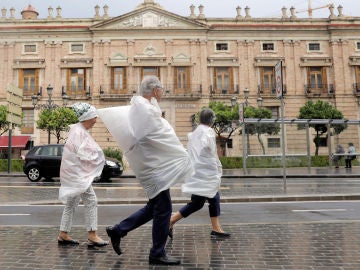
<point>82,161</point>
<point>116,120</point>
<point>157,158</point>
<point>208,169</point>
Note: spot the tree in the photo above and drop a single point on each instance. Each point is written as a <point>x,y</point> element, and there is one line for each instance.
<point>4,124</point>
<point>321,110</point>
<point>225,117</point>
<point>56,121</point>
<point>259,128</point>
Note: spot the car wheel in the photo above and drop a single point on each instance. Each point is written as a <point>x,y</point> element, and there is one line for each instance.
<point>34,174</point>
<point>104,178</point>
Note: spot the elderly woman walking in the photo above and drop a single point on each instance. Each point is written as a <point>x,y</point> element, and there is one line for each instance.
<point>205,183</point>
<point>82,161</point>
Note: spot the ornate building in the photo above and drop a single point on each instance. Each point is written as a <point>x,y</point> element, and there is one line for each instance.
<point>101,60</point>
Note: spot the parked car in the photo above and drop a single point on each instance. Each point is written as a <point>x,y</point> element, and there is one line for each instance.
<point>45,160</point>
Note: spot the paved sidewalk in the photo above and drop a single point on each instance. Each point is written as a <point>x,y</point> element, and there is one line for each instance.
<point>281,245</point>
<point>275,246</point>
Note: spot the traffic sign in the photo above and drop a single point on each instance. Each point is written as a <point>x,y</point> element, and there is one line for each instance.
<point>14,97</point>
<point>278,79</point>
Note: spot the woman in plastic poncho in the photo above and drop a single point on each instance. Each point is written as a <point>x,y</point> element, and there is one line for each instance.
<point>205,183</point>
<point>82,161</point>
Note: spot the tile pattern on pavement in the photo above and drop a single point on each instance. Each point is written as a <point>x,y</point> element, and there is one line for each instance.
<point>320,246</point>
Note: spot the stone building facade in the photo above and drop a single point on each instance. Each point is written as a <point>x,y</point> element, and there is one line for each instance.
<point>101,60</point>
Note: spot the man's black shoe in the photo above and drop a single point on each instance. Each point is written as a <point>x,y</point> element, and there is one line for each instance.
<point>220,234</point>
<point>115,239</point>
<point>165,260</point>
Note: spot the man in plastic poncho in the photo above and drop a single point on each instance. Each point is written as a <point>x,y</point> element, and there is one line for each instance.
<point>158,160</point>
<point>205,183</point>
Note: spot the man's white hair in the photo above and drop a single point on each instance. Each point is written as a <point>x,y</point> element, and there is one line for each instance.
<point>148,84</point>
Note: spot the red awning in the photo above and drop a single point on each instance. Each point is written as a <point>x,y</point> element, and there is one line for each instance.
<point>16,141</point>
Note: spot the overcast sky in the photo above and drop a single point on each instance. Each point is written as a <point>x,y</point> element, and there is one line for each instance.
<point>212,8</point>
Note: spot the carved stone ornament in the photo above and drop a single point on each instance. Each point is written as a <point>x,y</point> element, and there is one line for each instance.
<point>149,19</point>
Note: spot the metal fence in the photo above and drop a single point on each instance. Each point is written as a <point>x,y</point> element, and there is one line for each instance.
<point>298,139</point>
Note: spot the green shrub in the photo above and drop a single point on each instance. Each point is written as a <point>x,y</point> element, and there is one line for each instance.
<point>276,162</point>
<point>114,153</point>
<point>231,162</point>
<point>16,165</point>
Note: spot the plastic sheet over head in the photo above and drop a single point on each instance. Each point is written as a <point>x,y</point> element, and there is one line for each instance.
<point>116,119</point>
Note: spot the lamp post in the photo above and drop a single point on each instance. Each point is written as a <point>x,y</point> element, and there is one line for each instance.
<point>242,107</point>
<point>50,103</point>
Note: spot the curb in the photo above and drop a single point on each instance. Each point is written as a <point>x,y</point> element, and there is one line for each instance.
<point>330,197</point>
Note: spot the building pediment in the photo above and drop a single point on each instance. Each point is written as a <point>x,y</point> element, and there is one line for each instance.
<point>309,61</point>
<point>118,60</point>
<point>222,60</point>
<point>76,62</point>
<point>29,63</point>
<point>354,60</point>
<point>148,17</point>
<point>150,56</point>
<point>268,61</point>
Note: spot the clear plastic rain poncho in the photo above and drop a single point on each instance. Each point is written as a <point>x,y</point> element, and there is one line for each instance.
<point>208,169</point>
<point>150,145</point>
<point>82,161</point>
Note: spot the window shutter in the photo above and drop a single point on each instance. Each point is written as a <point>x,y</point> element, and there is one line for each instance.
<point>188,78</point>
<point>215,81</point>
<point>37,90</point>
<point>21,78</point>
<point>231,81</point>
<point>324,78</point>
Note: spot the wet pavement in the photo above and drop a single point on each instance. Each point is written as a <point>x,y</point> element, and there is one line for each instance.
<point>276,245</point>
<point>258,185</point>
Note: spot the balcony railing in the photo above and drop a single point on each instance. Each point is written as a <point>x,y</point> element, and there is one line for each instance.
<point>318,90</point>
<point>76,93</point>
<point>108,91</point>
<point>270,91</point>
<point>224,91</point>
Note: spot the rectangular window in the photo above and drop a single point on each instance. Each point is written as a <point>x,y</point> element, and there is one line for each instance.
<point>27,122</point>
<point>314,46</point>
<point>357,79</point>
<point>76,81</point>
<point>274,111</point>
<point>77,48</point>
<point>223,80</point>
<point>357,46</point>
<point>30,48</point>
<point>316,80</point>
<point>268,46</point>
<point>145,71</point>
<point>273,142</point>
<point>181,80</point>
<point>316,77</point>
<point>267,78</point>
<point>222,46</point>
<point>118,80</point>
<point>29,81</point>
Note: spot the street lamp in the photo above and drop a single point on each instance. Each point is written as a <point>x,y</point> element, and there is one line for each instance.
<point>50,104</point>
<point>243,106</point>
<point>246,95</point>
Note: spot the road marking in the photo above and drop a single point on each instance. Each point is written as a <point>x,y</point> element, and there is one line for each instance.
<point>15,214</point>
<point>95,187</point>
<point>320,210</point>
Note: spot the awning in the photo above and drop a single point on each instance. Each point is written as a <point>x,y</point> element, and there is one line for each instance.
<point>16,141</point>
